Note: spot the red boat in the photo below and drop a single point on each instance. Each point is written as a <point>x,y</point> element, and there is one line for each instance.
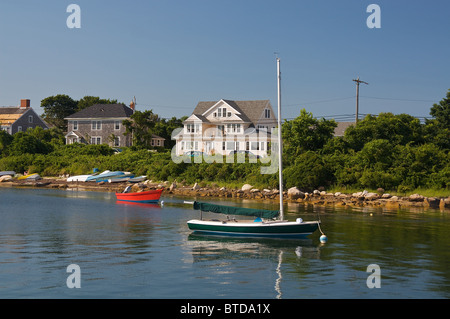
<point>151,196</point>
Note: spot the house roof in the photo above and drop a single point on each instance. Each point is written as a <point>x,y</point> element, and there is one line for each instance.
<point>341,127</point>
<point>10,114</point>
<point>103,111</point>
<point>250,110</point>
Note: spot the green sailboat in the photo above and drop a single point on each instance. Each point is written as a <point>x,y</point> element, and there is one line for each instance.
<point>264,223</point>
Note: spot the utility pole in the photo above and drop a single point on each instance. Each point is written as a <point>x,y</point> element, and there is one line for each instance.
<point>357,96</point>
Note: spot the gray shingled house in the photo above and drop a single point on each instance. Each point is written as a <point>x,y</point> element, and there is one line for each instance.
<point>102,124</point>
<point>15,119</point>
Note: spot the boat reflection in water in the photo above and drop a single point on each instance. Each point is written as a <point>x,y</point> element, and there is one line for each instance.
<point>220,253</point>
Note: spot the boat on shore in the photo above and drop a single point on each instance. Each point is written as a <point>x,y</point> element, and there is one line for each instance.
<point>104,176</point>
<point>120,178</point>
<point>151,196</point>
<point>10,173</point>
<point>79,178</point>
<point>34,176</point>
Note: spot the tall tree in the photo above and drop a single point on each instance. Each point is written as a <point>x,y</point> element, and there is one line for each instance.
<point>91,100</point>
<point>305,133</point>
<point>141,126</point>
<point>56,108</point>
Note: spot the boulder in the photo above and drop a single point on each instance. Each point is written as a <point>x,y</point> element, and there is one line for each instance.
<point>246,187</point>
<point>416,198</point>
<point>371,196</point>
<point>295,193</point>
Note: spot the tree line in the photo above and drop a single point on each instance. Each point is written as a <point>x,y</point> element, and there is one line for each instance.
<point>393,152</point>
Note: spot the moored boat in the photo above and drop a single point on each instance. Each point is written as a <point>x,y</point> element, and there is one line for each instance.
<point>151,196</point>
<point>267,223</point>
<point>263,224</point>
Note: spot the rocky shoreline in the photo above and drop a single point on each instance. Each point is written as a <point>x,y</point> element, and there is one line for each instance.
<point>293,195</point>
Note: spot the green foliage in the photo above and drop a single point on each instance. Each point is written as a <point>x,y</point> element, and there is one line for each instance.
<point>395,152</point>
<point>56,108</point>
<point>305,133</point>
<point>91,100</point>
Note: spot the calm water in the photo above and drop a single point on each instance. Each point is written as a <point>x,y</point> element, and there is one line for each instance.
<point>132,251</point>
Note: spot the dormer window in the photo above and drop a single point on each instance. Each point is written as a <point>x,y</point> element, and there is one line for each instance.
<point>267,113</point>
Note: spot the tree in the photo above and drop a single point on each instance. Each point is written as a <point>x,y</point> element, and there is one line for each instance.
<point>437,130</point>
<point>441,111</point>
<point>141,126</point>
<point>56,108</point>
<point>164,128</point>
<point>91,100</point>
<point>5,141</point>
<point>24,143</point>
<point>305,133</point>
<point>397,129</point>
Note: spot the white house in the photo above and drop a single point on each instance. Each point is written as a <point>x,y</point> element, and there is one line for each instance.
<point>222,127</point>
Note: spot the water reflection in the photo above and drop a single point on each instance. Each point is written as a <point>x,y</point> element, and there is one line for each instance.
<point>282,254</point>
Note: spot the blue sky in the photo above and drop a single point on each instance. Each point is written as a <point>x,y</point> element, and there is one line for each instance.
<point>172,54</point>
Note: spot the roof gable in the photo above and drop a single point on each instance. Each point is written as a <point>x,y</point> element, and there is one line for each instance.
<point>248,111</point>
<point>103,111</point>
<point>9,115</point>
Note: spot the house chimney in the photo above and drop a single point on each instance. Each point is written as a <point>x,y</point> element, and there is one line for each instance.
<point>24,103</point>
<point>132,105</point>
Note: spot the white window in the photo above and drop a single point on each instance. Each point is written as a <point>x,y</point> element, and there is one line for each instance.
<point>30,118</point>
<point>19,129</point>
<point>96,140</point>
<point>96,125</point>
<point>254,146</point>
<point>219,112</point>
<point>75,125</point>
<point>117,125</point>
<point>267,113</point>
<point>117,141</point>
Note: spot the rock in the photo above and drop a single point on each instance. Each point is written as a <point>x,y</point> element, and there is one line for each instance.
<point>173,186</point>
<point>386,196</point>
<point>432,202</point>
<point>316,192</point>
<point>265,190</point>
<point>254,190</point>
<point>246,187</point>
<point>337,194</point>
<point>323,193</point>
<point>371,196</point>
<point>380,190</point>
<point>196,186</point>
<point>394,198</point>
<point>416,198</point>
<point>295,193</point>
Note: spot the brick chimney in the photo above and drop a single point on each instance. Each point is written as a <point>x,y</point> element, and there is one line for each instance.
<point>132,105</point>
<point>24,103</point>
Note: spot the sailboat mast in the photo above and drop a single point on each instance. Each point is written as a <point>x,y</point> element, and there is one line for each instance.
<point>280,148</point>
